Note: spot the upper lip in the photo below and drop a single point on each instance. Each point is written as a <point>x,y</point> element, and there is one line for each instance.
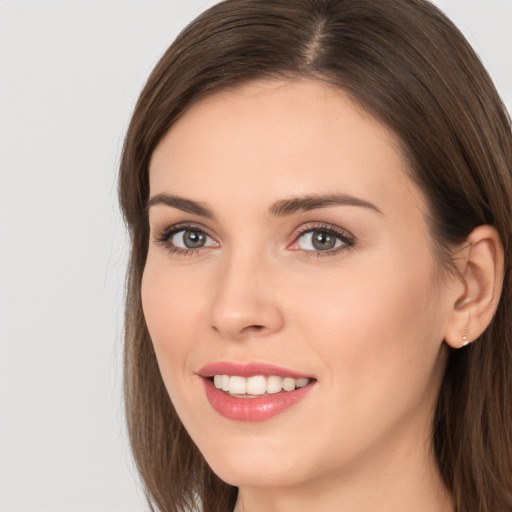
<point>248,370</point>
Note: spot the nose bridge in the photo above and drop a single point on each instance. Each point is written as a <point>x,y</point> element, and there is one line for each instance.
<point>243,302</point>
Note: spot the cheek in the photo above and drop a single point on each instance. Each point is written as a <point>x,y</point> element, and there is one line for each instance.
<point>173,314</point>
<point>369,301</point>
<point>377,329</point>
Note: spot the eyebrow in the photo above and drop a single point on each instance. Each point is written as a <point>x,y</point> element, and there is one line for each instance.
<point>185,205</point>
<point>313,202</point>
<point>280,208</point>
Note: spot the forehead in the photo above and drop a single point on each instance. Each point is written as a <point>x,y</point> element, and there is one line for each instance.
<point>274,139</point>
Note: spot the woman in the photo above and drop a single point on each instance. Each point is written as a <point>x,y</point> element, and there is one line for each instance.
<point>318,194</point>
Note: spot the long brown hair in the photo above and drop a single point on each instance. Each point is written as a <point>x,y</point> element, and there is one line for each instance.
<point>405,63</point>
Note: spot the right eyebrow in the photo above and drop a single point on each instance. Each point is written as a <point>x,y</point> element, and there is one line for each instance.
<point>185,205</point>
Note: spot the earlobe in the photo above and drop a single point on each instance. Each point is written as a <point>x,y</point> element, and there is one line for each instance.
<point>481,274</point>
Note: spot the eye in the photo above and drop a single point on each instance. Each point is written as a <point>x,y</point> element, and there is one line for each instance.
<point>318,241</point>
<point>191,239</point>
<point>321,240</point>
<point>185,239</point>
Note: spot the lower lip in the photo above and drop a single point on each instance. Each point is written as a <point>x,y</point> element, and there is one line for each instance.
<point>253,409</point>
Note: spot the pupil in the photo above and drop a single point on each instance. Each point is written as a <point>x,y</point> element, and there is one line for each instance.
<point>323,241</point>
<point>193,239</point>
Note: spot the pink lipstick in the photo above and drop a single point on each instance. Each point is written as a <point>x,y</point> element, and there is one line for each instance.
<point>254,391</point>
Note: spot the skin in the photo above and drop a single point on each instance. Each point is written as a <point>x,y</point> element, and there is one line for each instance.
<point>367,321</point>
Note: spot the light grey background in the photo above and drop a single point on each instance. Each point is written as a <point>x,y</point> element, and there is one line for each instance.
<point>70,73</point>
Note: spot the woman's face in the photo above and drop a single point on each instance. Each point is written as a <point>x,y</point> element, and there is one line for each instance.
<point>289,248</point>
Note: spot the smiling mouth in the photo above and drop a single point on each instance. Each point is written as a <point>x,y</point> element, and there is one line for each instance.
<point>257,385</point>
<point>253,391</point>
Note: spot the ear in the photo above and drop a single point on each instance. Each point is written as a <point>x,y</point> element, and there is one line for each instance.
<point>481,275</point>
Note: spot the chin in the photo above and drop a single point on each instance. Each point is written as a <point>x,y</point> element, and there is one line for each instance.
<point>262,473</point>
<point>256,461</point>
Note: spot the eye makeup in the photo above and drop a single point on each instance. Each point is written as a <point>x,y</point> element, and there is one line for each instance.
<point>311,239</point>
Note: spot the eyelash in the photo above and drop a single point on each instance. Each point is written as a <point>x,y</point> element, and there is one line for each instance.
<point>347,240</point>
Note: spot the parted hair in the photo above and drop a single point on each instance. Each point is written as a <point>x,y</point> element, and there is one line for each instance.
<point>407,65</point>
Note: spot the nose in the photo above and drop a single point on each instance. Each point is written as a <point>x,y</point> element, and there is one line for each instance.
<point>245,302</point>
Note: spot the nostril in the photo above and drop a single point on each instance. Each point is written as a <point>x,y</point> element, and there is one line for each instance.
<point>249,328</point>
<point>255,329</point>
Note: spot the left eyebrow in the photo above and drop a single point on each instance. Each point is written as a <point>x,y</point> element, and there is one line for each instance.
<point>312,202</point>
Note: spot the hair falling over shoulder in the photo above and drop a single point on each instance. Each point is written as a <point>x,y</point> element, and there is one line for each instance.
<point>405,63</point>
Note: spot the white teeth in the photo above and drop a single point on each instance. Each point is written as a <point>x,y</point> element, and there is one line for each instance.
<point>300,383</point>
<point>288,384</point>
<point>257,385</point>
<point>217,380</point>
<point>274,384</point>
<point>237,385</point>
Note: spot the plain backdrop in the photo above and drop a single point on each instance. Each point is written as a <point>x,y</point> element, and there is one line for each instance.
<point>70,73</point>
